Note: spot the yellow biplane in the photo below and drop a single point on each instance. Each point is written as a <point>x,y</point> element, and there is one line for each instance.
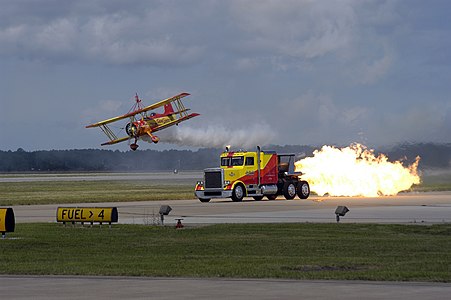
<point>144,123</point>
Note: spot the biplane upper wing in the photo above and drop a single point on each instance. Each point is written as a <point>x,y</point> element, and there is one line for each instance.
<point>147,108</point>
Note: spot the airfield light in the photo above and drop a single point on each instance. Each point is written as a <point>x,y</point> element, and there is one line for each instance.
<point>341,212</point>
<point>164,211</point>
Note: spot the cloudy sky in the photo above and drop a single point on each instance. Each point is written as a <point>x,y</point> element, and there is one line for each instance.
<point>282,72</point>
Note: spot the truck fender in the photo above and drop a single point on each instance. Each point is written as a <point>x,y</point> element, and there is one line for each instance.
<point>242,183</point>
<point>239,191</point>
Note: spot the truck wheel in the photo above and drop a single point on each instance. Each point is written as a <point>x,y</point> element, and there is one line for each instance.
<point>303,190</point>
<point>204,199</point>
<point>258,198</point>
<point>271,197</point>
<point>238,193</point>
<point>289,190</point>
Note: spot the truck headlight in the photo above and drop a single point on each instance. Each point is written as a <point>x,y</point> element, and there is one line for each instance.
<point>227,182</point>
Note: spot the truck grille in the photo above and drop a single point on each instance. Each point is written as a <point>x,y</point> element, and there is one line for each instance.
<point>213,179</point>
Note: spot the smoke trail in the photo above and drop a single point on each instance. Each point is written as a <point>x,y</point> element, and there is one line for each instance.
<point>219,136</point>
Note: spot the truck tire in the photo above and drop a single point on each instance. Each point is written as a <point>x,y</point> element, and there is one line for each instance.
<point>289,190</point>
<point>258,198</point>
<point>204,199</point>
<point>238,193</point>
<point>303,189</point>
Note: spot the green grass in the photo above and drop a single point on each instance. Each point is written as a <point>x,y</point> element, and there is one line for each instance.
<point>63,192</point>
<point>432,187</point>
<point>298,251</point>
<point>95,191</point>
<point>49,192</point>
<point>434,183</point>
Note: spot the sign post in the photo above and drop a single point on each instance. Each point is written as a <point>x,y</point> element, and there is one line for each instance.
<point>87,214</point>
<point>7,221</point>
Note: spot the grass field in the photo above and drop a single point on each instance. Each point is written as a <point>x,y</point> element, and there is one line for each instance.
<point>50,192</point>
<point>431,183</point>
<point>299,251</point>
<point>95,191</point>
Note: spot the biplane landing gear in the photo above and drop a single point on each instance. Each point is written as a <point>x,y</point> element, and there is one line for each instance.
<point>134,146</point>
<point>155,139</point>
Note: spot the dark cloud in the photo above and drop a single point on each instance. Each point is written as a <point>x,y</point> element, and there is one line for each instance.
<point>310,71</point>
<point>108,32</point>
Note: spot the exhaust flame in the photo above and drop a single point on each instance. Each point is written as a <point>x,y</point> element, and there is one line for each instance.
<point>356,171</point>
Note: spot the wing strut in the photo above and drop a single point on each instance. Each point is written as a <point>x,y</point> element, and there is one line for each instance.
<point>182,111</point>
<point>108,132</point>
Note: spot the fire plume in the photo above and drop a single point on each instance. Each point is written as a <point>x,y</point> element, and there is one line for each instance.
<point>356,171</point>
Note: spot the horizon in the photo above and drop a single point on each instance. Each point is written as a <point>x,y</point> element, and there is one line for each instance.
<point>268,147</point>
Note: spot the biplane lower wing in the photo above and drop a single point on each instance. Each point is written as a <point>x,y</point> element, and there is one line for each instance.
<point>110,134</point>
<point>112,142</point>
<point>175,122</point>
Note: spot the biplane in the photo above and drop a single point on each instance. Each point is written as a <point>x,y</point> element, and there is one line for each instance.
<point>143,123</point>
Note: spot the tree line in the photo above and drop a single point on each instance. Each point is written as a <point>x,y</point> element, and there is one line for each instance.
<point>95,160</point>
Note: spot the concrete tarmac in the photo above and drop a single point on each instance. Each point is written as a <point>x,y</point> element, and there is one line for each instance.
<point>186,177</point>
<point>99,287</point>
<point>405,208</point>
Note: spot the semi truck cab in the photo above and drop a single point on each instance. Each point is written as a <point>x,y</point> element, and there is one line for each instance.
<point>252,173</point>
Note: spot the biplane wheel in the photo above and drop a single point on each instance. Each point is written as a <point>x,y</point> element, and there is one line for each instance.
<point>134,146</point>
<point>155,139</point>
<point>131,129</point>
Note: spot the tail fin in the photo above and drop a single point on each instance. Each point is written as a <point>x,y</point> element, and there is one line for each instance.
<point>168,109</point>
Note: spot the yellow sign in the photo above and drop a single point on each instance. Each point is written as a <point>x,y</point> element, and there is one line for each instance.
<point>87,214</point>
<point>7,220</point>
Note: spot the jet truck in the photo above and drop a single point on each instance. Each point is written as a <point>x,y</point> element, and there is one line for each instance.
<point>254,174</point>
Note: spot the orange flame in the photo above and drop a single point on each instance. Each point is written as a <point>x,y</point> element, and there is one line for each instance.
<point>356,171</point>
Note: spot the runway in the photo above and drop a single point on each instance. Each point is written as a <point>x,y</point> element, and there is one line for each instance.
<point>161,177</point>
<point>405,208</point>
<point>99,287</point>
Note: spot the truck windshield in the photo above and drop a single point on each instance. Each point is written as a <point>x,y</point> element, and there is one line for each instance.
<point>237,161</point>
<point>225,161</point>
<point>232,161</point>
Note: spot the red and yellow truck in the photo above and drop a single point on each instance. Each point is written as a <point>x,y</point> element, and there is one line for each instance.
<point>252,174</point>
